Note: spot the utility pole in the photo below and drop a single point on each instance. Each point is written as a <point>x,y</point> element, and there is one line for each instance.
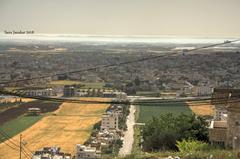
<point>20,147</point>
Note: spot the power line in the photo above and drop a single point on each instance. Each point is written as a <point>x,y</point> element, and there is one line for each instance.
<point>8,138</point>
<point>138,101</point>
<point>26,154</point>
<point>10,146</point>
<point>97,67</point>
<point>121,63</point>
<point>25,147</point>
<point>16,146</point>
<point>196,101</point>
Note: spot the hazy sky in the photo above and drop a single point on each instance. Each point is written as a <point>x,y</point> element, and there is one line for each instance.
<point>209,18</point>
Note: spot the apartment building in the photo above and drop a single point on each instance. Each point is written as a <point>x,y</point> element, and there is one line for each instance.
<point>109,121</point>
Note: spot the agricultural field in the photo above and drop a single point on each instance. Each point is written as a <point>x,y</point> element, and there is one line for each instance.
<point>146,112</point>
<point>64,82</point>
<point>7,103</point>
<point>18,125</point>
<point>94,85</point>
<point>18,110</point>
<point>201,108</point>
<point>69,125</point>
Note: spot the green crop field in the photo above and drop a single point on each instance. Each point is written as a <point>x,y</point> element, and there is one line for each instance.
<point>146,112</point>
<point>18,125</point>
<point>95,85</point>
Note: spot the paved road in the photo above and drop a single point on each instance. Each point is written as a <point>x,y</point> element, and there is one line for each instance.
<point>128,135</point>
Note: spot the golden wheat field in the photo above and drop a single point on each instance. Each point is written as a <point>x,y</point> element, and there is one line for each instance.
<point>69,125</point>
<point>201,108</point>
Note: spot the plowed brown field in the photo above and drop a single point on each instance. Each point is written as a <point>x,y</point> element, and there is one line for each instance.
<point>69,125</point>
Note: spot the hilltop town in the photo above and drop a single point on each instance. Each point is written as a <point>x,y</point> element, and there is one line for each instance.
<point>130,110</point>
<point>119,79</point>
<point>200,70</point>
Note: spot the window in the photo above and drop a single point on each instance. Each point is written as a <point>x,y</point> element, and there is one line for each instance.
<point>237,123</point>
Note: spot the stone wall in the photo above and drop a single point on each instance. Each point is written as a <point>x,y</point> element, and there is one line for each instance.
<point>217,134</point>
<point>233,132</point>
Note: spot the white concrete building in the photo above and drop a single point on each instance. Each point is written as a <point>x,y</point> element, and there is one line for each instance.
<point>121,96</point>
<point>220,114</point>
<point>201,90</point>
<point>84,152</point>
<point>41,92</point>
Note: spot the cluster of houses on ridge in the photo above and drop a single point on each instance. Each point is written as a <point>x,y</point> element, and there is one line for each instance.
<point>105,137</point>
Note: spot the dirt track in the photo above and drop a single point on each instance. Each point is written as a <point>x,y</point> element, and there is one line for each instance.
<point>129,134</point>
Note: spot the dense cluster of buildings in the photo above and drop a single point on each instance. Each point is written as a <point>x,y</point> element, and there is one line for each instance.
<point>72,91</point>
<point>225,127</point>
<point>185,88</point>
<point>51,153</point>
<point>41,92</point>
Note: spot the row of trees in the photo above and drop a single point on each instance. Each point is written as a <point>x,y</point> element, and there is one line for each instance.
<point>162,133</point>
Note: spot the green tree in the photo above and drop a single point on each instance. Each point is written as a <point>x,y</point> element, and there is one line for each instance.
<point>162,133</point>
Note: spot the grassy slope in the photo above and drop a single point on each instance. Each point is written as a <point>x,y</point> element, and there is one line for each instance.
<point>18,125</point>
<point>147,112</point>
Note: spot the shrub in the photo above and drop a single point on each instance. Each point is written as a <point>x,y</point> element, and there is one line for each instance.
<point>191,146</point>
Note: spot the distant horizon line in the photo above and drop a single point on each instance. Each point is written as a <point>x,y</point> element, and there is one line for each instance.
<point>122,36</point>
